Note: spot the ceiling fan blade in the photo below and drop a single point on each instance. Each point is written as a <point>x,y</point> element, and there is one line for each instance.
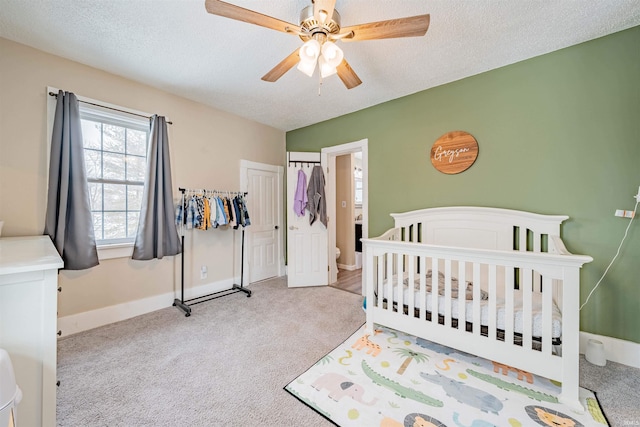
<point>285,65</point>
<point>347,75</point>
<point>323,9</point>
<point>238,13</point>
<point>413,26</point>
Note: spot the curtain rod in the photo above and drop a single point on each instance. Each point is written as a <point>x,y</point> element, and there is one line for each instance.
<point>55,95</point>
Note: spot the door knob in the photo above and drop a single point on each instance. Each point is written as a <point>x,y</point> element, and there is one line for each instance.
<point>276,227</point>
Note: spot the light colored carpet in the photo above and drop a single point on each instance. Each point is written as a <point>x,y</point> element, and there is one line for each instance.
<point>227,364</point>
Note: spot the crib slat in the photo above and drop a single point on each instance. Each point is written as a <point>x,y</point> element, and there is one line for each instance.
<point>447,292</point>
<point>537,242</point>
<point>435,308</point>
<point>522,241</point>
<point>547,295</point>
<point>492,302</point>
<point>527,316</point>
<point>423,288</point>
<point>389,282</point>
<point>462,299</point>
<point>411,284</point>
<point>508,307</point>
<point>399,285</point>
<point>476,299</point>
<point>537,247</point>
<point>380,288</point>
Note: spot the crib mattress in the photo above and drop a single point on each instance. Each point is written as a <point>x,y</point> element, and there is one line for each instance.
<point>536,308</point>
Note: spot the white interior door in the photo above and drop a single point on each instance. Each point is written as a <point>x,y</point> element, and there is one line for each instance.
<point>264,253</point>
<point>306,244</point>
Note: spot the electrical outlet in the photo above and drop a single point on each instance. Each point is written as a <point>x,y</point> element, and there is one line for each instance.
<point>203,272</point>
<point>624,214</point>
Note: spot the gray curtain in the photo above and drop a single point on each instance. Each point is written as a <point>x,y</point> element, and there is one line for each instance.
<point>68,219</point>
<point>157,234</point>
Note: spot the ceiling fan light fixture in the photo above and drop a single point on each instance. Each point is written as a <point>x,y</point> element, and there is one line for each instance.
<point>332,54</point>
<point>310,51</point>
<point>307,67</point>
<point>326,69</point>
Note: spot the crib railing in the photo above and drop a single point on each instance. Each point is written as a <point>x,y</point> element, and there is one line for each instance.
<point>394,267</point>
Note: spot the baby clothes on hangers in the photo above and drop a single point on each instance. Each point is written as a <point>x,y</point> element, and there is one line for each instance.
<point>213,201</point>
<point>207,210</point>
<point>232,217</point>
<point>220,215</point>
<point>206,214</point>
<point>242,214</point>
<point>236,209</point>
<point>180,217</point>
<point>192,213</point>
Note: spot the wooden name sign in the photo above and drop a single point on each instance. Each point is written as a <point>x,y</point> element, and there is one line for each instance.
<point>454,152</point>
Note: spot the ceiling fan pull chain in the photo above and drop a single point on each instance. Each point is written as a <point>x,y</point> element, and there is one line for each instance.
<point>319,83</point>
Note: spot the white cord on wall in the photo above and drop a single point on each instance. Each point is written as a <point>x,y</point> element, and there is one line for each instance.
<point>637,197</point>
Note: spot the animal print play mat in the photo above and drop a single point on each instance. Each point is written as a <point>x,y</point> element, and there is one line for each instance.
<point>392,379</point>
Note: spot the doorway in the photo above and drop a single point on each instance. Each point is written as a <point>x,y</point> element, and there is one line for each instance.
<point>332,159</point>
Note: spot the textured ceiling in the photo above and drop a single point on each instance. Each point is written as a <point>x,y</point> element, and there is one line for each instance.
<point>176,46</point>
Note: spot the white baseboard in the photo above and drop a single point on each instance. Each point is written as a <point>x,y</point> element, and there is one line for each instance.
<point>75,323</point>
<point>347,267</point>
<point>616,350</point>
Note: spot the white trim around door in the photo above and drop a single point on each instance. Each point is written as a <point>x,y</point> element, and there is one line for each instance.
<point>328,160</point>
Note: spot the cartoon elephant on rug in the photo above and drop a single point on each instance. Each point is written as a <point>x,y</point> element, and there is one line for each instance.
<point>340,386</point>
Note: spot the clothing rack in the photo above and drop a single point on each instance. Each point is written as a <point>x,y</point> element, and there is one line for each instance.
<point>185,304</point>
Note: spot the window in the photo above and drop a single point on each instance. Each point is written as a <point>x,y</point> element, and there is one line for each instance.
<point>115,154</point>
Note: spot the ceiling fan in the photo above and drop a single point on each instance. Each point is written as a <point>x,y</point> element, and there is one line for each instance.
<point>319,28</point>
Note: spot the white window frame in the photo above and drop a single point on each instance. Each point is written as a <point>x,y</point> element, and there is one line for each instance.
<point>105,250</point>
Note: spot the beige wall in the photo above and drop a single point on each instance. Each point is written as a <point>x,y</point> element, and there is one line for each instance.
<point>206,144</point>
<point>345,225</point>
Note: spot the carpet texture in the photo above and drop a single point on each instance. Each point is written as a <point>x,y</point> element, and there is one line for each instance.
<point>226,365</point>
<point>392,379</point>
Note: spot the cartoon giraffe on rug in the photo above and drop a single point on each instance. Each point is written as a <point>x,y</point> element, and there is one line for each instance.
<point>506,368</point>
<point>372,348</point>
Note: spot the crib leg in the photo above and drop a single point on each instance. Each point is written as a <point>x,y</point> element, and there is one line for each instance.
<point>571,346</point>
<point>571,401</point>
<point>369,324</point>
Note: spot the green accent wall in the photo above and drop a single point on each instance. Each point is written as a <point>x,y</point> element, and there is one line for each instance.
<point>557,134</point>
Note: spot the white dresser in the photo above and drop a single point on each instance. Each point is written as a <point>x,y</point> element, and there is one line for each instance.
<point>28,318</point>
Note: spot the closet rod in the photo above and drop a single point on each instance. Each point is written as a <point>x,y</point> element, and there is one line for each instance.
<point>55,95</point>
<point>204,190</point>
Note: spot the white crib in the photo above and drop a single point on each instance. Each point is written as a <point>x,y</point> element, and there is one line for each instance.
<point>515,259</point>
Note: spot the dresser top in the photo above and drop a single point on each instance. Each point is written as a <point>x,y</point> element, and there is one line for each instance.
<point>24,254</point>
